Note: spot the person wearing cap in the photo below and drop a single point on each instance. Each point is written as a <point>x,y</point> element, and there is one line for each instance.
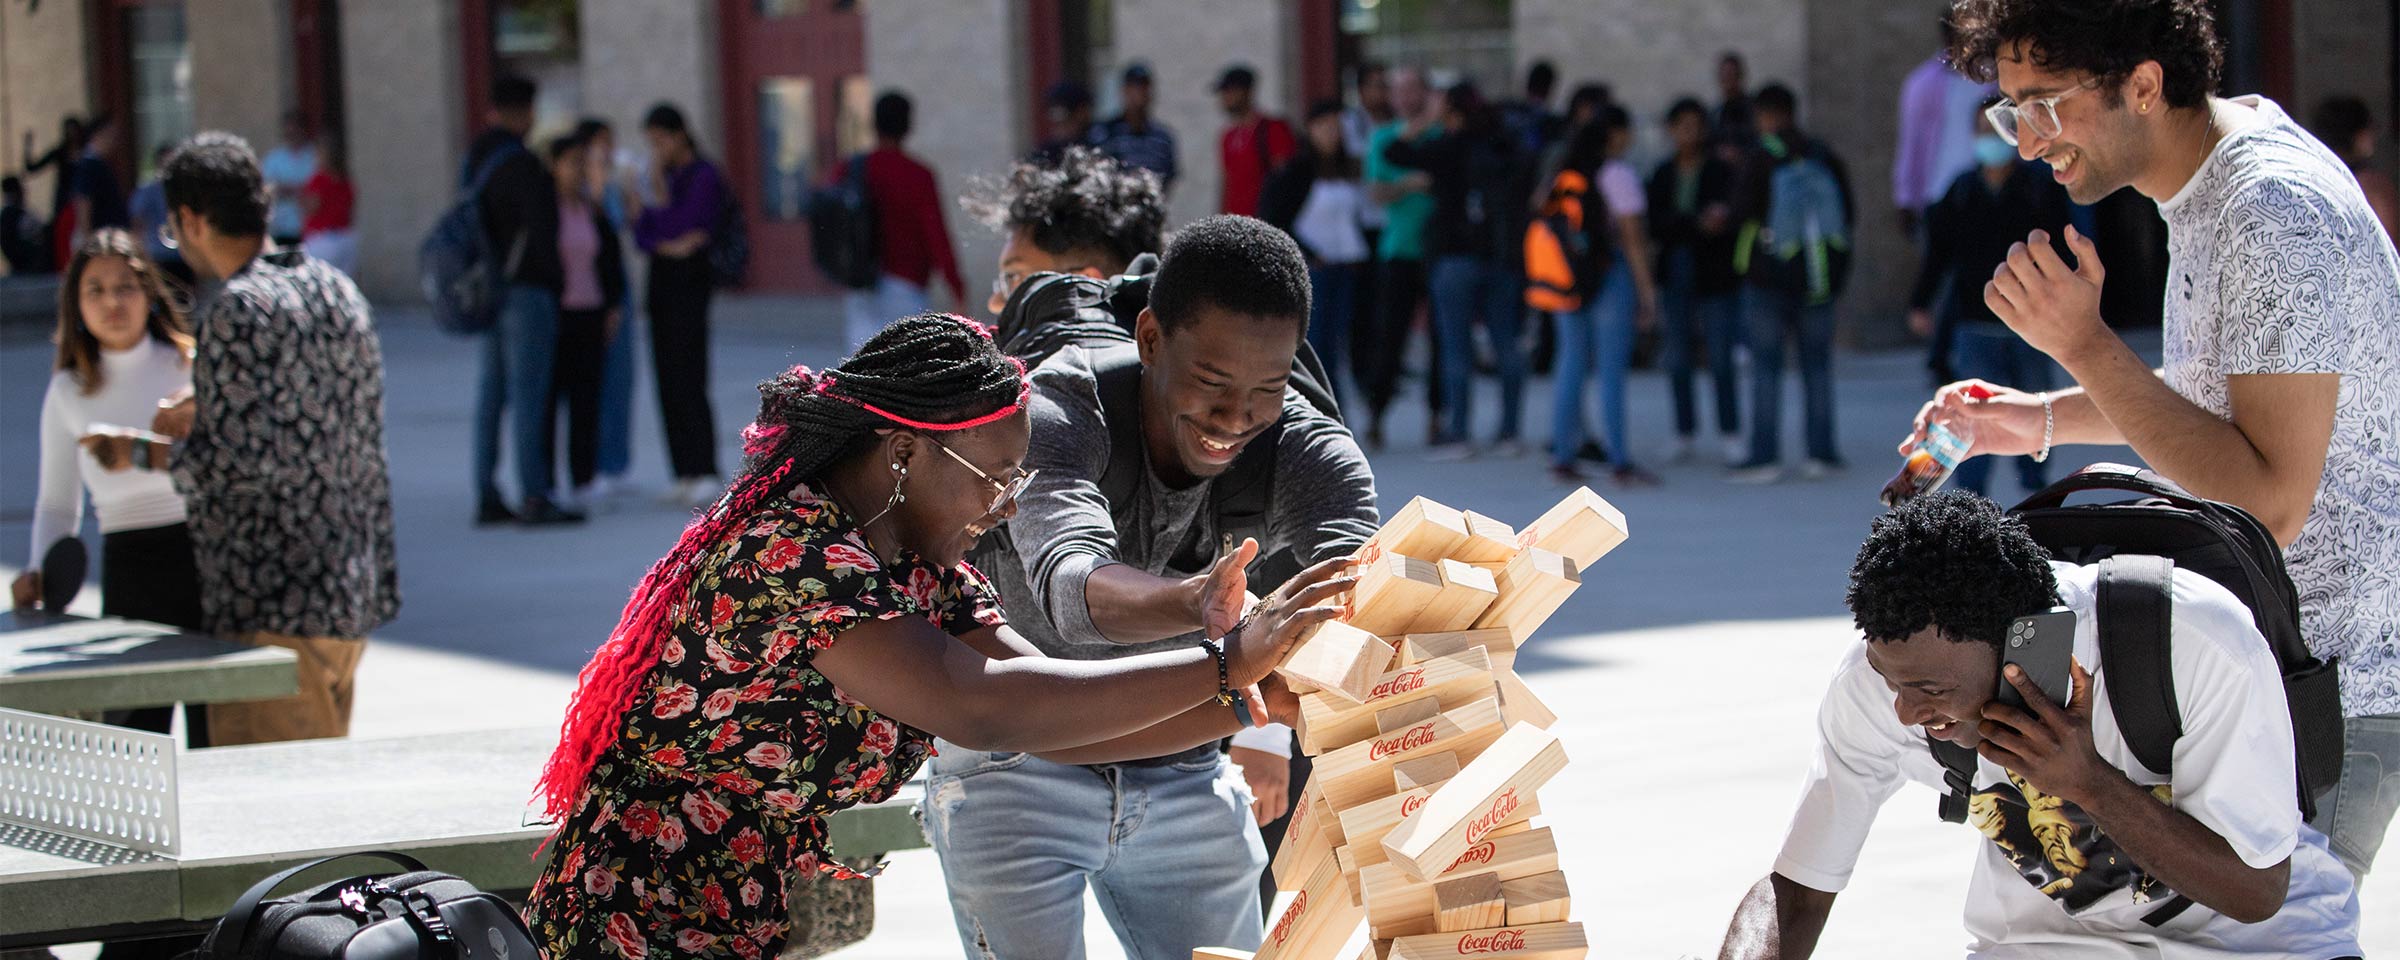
<point>1069,114</point>
<point>1133,137</point>
<point>1254,144</point>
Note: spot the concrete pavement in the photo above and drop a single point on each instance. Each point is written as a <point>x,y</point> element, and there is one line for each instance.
<point>1686,672</point>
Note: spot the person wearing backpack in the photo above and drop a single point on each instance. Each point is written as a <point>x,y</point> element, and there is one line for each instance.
<point>2089,852</point>
<point>2280,390</point>
<point>518,204</point>
<point>681,212</point>
<point>1792,245</point>
<point>1691,225</point>
<point>1595,339</point>
<point>1137,533</point>
<point>912,240</point>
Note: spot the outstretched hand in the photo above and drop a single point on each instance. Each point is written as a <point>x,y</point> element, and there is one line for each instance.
<point>1261,643</point>
<point>2050,746</point>
<point>2056,308</point>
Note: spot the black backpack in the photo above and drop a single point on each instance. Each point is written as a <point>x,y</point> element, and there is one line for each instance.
<point>2137,544</point>
<point>841,228</point>
<point>402,916</point>
<point>729,244</point>
<point>460,274</point>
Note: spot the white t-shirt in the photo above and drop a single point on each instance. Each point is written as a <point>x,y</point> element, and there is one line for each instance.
<point>1329,221</point>
<point>2276,265</point>
<point>1622,188</point>
<point>132,384</point>
<point>2233,773</point>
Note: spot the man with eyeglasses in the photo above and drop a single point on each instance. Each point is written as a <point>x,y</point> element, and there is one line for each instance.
<point>1125,543</point>
<point>2281,387</point>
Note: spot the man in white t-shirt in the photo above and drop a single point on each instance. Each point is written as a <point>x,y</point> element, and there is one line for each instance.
<point>2085,845</point>
<point>2281,387</point>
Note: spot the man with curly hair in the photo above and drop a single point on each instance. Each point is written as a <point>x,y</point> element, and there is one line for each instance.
<point>1084,213</point>
<point>2086,843</point>
<point>2281,387</point>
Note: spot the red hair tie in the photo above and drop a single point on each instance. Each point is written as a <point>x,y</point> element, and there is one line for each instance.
<point>1024,393</point>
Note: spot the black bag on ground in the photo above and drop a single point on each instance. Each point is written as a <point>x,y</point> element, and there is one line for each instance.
<point>841,228</point>
<point>401,916</point>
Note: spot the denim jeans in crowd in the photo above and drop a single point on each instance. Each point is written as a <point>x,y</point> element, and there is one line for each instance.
<point>616,398</point>
<point>1170,852</point>
<point>1685,314</point>
<point>518,353</point>
<point>1595,339</point>
<point>1463,288</point>
<point>1332,315</point>
<point>2356,815</point>
<point>1989,351</point>
<point>866,312</point>
<point>1773,316</point>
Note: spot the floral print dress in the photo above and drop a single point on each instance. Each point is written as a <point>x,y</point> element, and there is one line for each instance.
<point>736,749</point>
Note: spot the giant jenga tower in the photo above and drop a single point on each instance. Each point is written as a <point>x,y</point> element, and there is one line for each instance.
<point>1418,819</point>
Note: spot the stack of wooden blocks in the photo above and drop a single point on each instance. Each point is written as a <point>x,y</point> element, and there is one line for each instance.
<point>1418,818</point>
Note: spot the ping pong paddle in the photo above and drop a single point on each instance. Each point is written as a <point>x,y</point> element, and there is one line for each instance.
<point>63,570</point>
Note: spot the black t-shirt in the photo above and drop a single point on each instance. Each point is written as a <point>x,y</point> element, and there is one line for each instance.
<point>96,182</point>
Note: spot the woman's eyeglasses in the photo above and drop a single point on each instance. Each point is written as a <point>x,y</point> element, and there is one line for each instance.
<point>1007,491</point>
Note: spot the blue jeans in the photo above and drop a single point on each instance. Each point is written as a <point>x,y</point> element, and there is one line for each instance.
<point>518,353</point>
<point>1462,287</point>
<point>2355,816</point>
<point>1171,854</point>
<point>1597,338</point>
<point>866,312</point>
<point>616,399</point>
<point>1686,314</point>
<point>1332,313</point>
<point>1988,351</point>
<point>1773,316</point>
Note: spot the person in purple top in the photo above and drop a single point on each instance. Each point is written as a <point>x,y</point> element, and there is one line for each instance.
<point>681,207</point>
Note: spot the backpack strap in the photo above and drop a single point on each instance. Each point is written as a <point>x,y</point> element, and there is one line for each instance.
<point>1118,373</point>
<point>2137,611</point>
<point>226,940</point>
<point>1958,777</point>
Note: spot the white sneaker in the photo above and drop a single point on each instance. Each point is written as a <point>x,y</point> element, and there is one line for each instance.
<point>1736,451</point>
<point>1679,450</point>
<point>576,500</point>
<point>1510,449</point>
<point>704,491</point>
<point>1757,476</point>
<point>1815,469</point>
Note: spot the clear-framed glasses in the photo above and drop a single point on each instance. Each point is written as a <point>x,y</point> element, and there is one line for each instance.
<point>1006,491</point>
<point>1006,283</point>
<point>2040,114</point>
<point>166,235</point>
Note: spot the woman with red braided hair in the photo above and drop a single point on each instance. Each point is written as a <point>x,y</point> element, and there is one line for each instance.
<point>809,635</point>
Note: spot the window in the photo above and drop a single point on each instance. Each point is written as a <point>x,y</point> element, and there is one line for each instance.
<point>787,146</point>
<point>782,8</point>
<point>161,61</point>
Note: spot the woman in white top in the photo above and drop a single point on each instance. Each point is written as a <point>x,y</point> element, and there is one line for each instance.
<point>122,347</point>
<point>1317,199</point>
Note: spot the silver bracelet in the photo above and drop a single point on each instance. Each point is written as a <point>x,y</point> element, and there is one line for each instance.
<point>2049,425</point>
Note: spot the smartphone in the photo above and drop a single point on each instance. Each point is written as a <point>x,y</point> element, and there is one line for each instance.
<point>2041,645</point>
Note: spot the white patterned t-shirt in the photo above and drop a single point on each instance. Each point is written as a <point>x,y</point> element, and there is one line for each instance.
<point>2276,265</point>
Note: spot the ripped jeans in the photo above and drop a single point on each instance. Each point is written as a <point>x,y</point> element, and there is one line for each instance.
<point>1170,852</point>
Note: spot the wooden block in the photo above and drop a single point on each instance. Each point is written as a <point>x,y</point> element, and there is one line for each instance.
<point>1466,593</point>
<point>1317,922</point>
<point>1543,941</point>
<point>1583,527</point>
<point>1531,588</point>
<point>1305,842</point>
<point>1219,953</point>
<point>1420,647</point>
<point>1367,823</point>
<point>1485,793</point>
<point>1330,721</point>
<point>1407,714</point>
<point>1509,829</point>
<point>1519,705</point>
<point>1424,771</point>
<point>1400,907</point>
<point>1393,590</point>
<point>1536,899</point>
<point>1472,902</point>
<point>1362,771</point>
<point>1488,541</point>
<point>1326,818</point>
<point>1422,528</point>
<point>1338,658</point>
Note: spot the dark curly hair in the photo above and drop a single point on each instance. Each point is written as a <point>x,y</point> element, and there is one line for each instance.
<point>215,175</point>
<point>1950,560</point>
<point>1085,201</point>
<point>2103,38</point>
<point>1234,263</point>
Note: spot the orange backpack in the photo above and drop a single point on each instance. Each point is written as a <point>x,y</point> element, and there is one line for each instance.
<point>1559,269</point>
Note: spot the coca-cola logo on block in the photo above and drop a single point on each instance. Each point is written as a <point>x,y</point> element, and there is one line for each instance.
<point>1291,918</point>
<point>1502,806</point>
<point>1480,853</point>
<point>1397,685</point>
<point>1416,736</point>
<point>1411,804</point>
<point>1497,941</point>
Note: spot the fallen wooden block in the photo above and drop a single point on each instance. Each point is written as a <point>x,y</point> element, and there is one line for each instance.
<point>1420,647</point>
<point>1219,953</point>
<point>1545,941</point>
<point>1362,771</point>
<point>1330,721</point>
<point>1583,528</point>
<point>1422,528</point>
<point>1338,658</point>
<point>1536,899</point>
<point>1519,705</point>
<point>1317,921</point>
<point>1471,902</point>
<point>1484,794</point>
<point>1407,714</point>
<point>1466,593</point>
<point>1398,906</point>
<point>1368,823</point>
<point>1393,590</point>
<point>1424,771</point>
<point>1488,541</point>
<point>1305,842</point>
<point>1531,588</point>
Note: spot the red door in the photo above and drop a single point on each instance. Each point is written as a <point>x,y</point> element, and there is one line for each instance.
<point>797,102</point>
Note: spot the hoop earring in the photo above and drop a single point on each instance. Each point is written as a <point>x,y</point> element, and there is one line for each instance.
<point>900,476</point>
